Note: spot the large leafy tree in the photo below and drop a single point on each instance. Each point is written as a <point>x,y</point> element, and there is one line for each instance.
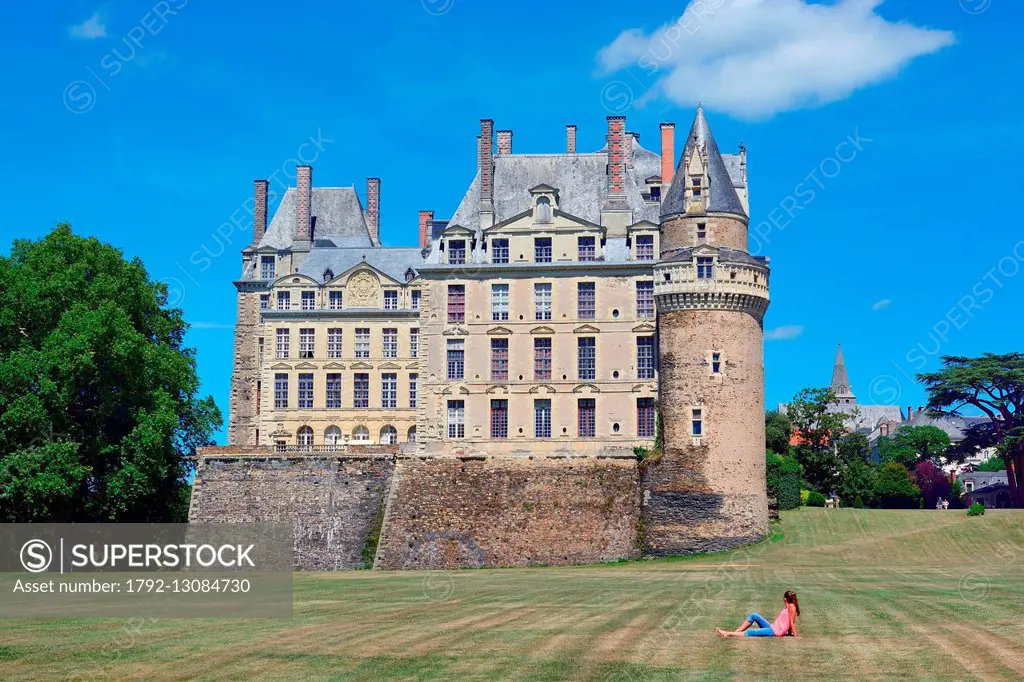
<point>913,444</point>
<point>895,489</point>
<point>993,384</point>
<point>818,426</point>
<point>777,432</point>
<point>99,413</point>
<point>856,472</point>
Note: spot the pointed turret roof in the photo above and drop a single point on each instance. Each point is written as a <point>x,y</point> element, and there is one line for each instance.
<point>840,381</point>
<point>722,197</point>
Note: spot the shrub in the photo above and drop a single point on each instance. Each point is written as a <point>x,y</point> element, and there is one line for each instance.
<point>804,494</point>
<point>933,483</point>
<point>783,480</point>
<point>815,499</point>
<point>858,503</point>
<point>977,509</point>
<point>894,489</point>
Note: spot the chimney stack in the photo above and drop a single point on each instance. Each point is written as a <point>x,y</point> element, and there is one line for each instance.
<point>616,156</point>
<point>570,139</point>
<point>373,209</point>
<point>627,152</point>
<point>668,153</point>
<point>259,212</point>
<point>426,218</point>
<point>485,164</point>
<point>504,141</point>
<point>303,202</point>
<point>910,412</point>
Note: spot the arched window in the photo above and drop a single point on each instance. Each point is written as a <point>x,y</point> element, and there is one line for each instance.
<point>305,437</point>
<point>543,210</point>
<point>411,438</point>
<point>361,433</point>
<point>389,435</point>
<point>332,436</point>
<point>328,275</point>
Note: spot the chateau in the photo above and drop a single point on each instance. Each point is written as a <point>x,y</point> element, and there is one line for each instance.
<point>478,398</point>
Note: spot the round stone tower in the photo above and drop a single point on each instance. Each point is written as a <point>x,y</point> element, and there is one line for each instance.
<point>707,491</point>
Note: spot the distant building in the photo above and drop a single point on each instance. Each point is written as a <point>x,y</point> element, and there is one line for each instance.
<point>976,480</point>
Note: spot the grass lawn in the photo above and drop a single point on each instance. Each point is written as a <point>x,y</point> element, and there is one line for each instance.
<point>884,594</point>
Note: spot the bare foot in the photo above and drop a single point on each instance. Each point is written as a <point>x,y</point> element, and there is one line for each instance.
<point>722,632</point>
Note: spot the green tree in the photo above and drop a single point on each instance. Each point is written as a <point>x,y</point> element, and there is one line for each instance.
<point>777,432</point>
<point>993,384</point>
<point>856,472</point>
<point>895,489</point>
<point>783,478</point>
<point>98,408</point>
<point>818,426</point>
<point>913,444</point>
<point>993,463</point>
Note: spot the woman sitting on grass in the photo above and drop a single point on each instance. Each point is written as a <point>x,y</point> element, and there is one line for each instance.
<point>785,622</point>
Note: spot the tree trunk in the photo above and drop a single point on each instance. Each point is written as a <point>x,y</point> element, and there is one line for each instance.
<point>1014,473</point>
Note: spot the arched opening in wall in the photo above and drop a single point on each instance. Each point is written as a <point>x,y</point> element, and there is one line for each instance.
<point>389,435</point>
<point>305,438</point>
<point>361,434</point>
<point>332,436</point>
<point>411,437</point>
<point>543,210</point>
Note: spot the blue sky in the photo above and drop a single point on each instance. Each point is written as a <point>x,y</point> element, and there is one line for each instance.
<point>145,123</point>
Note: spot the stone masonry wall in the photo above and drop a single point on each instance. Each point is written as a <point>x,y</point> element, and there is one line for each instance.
<point>242,421</point>
<point>472,512</point>
<point>336,503</point>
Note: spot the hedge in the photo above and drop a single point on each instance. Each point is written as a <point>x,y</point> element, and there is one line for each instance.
<point>784,476</point>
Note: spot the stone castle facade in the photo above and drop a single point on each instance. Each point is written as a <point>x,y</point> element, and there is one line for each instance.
<point>476,400</point>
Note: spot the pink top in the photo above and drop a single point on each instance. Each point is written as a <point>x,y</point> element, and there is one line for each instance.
<point>782,622</point>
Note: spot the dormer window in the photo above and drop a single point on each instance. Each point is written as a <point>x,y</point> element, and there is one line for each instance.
<point>499,251</point>
<point>457,251</point>
<point>645,247</point>
<point>267,264</point>
<point>656,194</point>
<point>705,268</point>
<point>328,275</point>
<point>543,212</point>
<point>542,250</point>
<point>696,186</point>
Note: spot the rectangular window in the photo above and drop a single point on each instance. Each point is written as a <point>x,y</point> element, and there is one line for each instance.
<point>456,302</point>
<point>280,391</point>
<point>587,420</point>
<point>413,380</point>
<point>284,300</point>
<point>542,250</point>
<point>696,187</point>
<point>702,231</point>
<point>586,248</point>
<point>587,358</point>
<point>542,301</point>
<point>716,363</point>
<point>307,341</point>
<point>645,299</point>
<point>499,251</point>
<point>499,302</point>
<point>267,265</point>
<point>333,391</point>
<point>542,359</point>
<point>309,300</point>
<point>362,343</point>
<point>542,419</point>
<point>586,300</point>
<point>456,419</point>
<point>391,300</point>
<point>334,338</point>
<point>456,358</point>
<point>499,419</point>
<point>645,417</point>
<point>284,342</point>
<point>645,247</point>
<point>499,359</point>
<point>390,343</point>
<point>389,391</point>
<point>264,301</point>
<point>705,268</point>
<point>457,251</point>
<point>414,343</point>
<point>645,357</point>
<point>335,300</point>
<point>361,396</point>
<point>697,423</point>
<point>416,299</point>
<point>305,391</point>
<point>259,351</point>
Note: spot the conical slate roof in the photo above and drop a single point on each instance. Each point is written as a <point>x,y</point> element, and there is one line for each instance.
<point>840,381</point>
<point>722,198</point>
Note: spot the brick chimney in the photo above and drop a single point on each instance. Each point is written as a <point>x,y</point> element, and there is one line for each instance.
<point>303,202</point>
<point>570,139</point>
<point>373,209</point>
<point>668,153</point>
<point>259,211</point>
<point>910,412</point>
<point>426,218</point>
<point>485,164</point>
<point>616,156</point>
<point>504,141</point>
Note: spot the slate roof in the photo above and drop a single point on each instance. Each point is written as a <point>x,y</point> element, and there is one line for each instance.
<point>337,214</point>
<point>955,427</point>
<point>840,380</point>
<point>870,416</point>
<point>725,255</point>
<point>392,261</point>
<point>722,197</point>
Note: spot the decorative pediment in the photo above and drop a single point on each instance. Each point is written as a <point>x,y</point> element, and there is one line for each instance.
<point>643,388</point>
<point>586,388</point>
<point>644,328</point>
<point>525,222</point>
<point>497,390</point>
<point>390,365</point>
<point>294,279</point>
<point>455,230</point>
<point>542,330</point>
<point>704,250</point>
<point>455,331</point>
<point>643,226</point>
<point>281,365</point>
<point>334,365</point>
<point>455,389</point>
<point>543,188</point>
<point>499,331</point>
<point>413,365</point>
<point>586,329</point>
<point>305,365</point>
<point>363,290</point>
<point>543,388</point>
<point>653,180</point>
<point>361,365</point>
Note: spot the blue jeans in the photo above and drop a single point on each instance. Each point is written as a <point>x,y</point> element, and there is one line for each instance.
<point>763,629</point>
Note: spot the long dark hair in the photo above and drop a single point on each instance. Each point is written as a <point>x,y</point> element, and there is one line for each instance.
<point>790,598</point>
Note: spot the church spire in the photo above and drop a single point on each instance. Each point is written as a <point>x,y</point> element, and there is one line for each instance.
<point>840,380</point>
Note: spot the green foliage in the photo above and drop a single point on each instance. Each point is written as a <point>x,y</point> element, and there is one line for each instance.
<point>641,453</point>
<point>858,502</point>
<point>857,481</point>
<point>993,463</point>
<point>784,477</point>
<point>804,495</point>
<point>99,415</point>
<point>894,488</point>
<point>956,493</point>
<point>777,431</point>
<point>815,499</point>
<point>976,509</point>
<point>820,426</point>
<point>913,444</point>
<point>932,481</point>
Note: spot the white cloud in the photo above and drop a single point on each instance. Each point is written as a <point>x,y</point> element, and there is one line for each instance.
<point>784,333</point>
<point>756,58</point>
<point>93,27</point>
<point>881,305</point>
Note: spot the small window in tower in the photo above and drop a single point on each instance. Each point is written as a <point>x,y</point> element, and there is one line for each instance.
<point>702,230</point>
<point>705,268</point>
<point>698,422</point>
<point>716,363</point>
<point>696,187</point>
<point>543,210</point>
